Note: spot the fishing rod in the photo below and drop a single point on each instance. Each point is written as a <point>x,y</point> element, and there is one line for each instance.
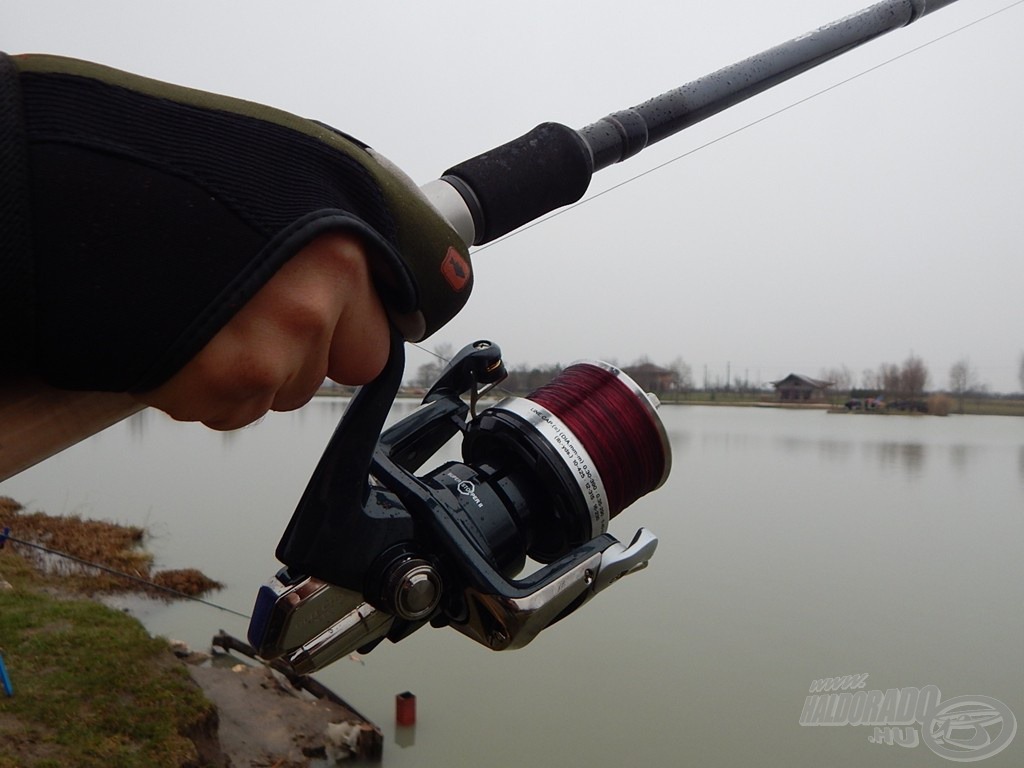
<point>377,550</point>
<point>494,193</point>
<point>500,190</point>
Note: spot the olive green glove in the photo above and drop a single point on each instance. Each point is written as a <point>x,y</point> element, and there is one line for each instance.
<point>150,213</point>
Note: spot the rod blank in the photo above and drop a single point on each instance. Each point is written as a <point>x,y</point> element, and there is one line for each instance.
<point>551,166</point>
<point>622,134</point>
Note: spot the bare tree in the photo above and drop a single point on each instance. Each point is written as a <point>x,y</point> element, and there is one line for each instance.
<point>905,382</point>
<point>847,377</point>
<point>428,373</point>
<point>524,379</point>
<point>913,378</point>
<point>841,377</point>
<point>962,379</point>
<point>837,380</point>
<point>889,379</point>
<point>683,375</point>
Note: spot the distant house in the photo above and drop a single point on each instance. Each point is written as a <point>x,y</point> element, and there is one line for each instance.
<point>650,377</point>
<point>795,388</point>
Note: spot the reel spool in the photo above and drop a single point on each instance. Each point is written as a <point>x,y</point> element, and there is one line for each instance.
<point>593,442</point>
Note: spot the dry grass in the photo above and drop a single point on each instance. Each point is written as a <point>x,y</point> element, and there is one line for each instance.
<point>940,404</point>
<point>100,542</point>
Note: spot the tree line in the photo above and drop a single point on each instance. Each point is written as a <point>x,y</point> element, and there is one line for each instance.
<point>909,380</point>
<point>912,379</point>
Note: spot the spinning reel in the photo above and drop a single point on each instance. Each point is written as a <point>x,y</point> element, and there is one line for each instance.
<point>374,551</point>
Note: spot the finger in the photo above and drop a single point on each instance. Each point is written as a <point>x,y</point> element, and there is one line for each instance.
<point>318,315</point>
<point>361,339</point>
<point>222,387</point>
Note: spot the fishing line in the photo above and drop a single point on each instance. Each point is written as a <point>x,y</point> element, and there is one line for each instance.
<point>742,128</point>
<point>568,457</point>
<point>121,574</point>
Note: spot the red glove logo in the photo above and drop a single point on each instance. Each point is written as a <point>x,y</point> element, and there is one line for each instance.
<point>455,269</point>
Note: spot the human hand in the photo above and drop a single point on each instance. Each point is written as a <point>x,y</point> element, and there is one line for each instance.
<point>318,316</point>
<point>164,200</point>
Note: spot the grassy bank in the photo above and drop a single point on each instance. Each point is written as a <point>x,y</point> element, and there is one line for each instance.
<point>991,406</point>
<point>92,689</point>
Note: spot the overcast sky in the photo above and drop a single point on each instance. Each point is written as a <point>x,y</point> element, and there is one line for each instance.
<point>882,218</point>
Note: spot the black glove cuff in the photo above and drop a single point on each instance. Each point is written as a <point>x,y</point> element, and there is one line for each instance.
<point>17,293</point>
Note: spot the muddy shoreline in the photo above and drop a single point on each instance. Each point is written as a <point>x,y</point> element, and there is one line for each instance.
<point>263,720</point>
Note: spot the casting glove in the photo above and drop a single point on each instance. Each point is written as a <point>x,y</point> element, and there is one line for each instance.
<point>137,217</point>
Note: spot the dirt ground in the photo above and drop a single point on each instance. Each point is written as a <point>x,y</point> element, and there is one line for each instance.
<point>264,721</point>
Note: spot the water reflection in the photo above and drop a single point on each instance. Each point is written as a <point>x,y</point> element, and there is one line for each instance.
<point>959,457</point>
<point>835,450</point>
<point>825,448</point>
<point>137,425</point>
<point>792,548</point>
<point>907,448</point>
<point>906,457</point>
<point>328,410</point>
<point>728,442</point>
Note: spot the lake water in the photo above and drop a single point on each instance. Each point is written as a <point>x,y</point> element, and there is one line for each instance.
<point>794,546</point>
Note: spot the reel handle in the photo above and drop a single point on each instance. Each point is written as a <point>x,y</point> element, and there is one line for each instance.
<point>332,533</point>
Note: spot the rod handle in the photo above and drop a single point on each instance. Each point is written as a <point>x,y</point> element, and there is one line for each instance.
<point>522,180</point>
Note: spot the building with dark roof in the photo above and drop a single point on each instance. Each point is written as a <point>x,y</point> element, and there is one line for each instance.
<point>797,388</point>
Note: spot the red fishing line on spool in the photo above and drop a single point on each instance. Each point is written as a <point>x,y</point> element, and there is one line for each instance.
<point>570,456</point>
<point>617,426</point>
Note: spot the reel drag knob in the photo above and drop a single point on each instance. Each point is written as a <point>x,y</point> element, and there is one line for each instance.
<point>412,589</point>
